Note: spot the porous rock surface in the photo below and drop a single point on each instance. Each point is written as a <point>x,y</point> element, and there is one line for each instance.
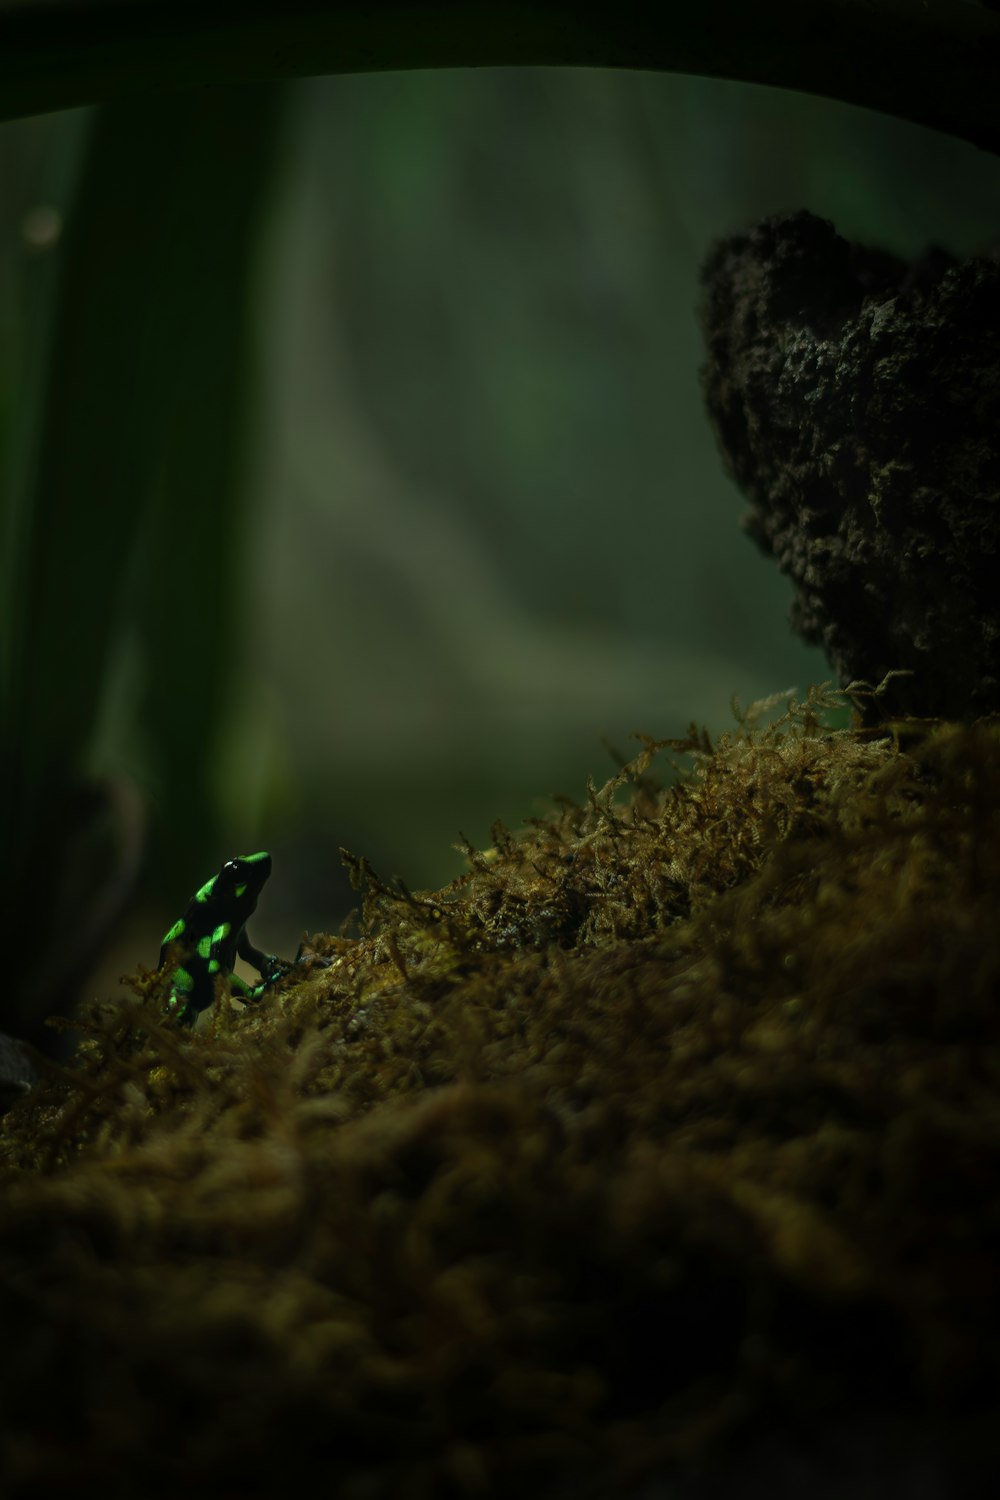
<point>857,403</point>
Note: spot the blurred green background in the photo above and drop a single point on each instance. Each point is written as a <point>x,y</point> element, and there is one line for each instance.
<point>356,483</point>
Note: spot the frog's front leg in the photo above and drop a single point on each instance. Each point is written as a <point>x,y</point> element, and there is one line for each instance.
<point>268,966</point>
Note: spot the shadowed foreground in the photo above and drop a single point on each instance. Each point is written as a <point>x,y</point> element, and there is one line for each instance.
<point>662,1148</point>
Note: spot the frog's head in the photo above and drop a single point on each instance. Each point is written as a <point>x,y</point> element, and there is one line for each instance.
<point>241,880</point>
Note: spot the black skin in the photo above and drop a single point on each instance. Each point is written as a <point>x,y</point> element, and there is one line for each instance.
<point>202,947</point>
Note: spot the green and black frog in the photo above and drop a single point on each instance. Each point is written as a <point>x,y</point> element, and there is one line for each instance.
<point>203,944</point>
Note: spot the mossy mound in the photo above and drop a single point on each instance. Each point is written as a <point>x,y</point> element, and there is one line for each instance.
<point>668,1132</point>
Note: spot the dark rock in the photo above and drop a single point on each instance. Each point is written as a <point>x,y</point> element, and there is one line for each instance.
<point>17,1071</point>
<point>857,403</point>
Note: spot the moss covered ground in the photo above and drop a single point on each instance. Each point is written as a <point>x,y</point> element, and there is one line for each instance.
<point>670,1129</point>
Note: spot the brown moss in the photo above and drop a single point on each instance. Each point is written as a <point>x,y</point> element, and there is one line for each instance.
<point>670,1126</point>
